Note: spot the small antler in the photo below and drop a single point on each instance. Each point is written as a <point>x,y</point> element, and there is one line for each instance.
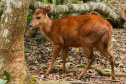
<point>123,14</point>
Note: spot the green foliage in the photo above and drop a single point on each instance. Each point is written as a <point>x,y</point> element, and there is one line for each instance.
<point>66,15</point>
<point>26,49</point>
<point>84,65</point>
<point>6,75</point>
<point>107,18</point>
<point>106,67</point>
<point>119,69</point>
<point>3,81</point>
<point>107,2</point>
<point>33,77</point>
<point>49,1</point>
<point>56,17</point>
<point>67,65</point>
<point>29,68</point>
<point>63,15</point>
<point>99,59</point>
<point>79,2</point>
<point>33,80</point>
<point>29,18</point>
<point>40,0</point>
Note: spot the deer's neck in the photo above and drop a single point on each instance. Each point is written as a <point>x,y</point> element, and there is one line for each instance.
<point>46,28</point>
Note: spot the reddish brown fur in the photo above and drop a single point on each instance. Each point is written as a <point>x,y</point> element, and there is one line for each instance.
<point>123,14</point>
<point>86,31</point>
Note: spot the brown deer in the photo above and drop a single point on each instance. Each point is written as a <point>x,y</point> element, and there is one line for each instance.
<point>86,31</point>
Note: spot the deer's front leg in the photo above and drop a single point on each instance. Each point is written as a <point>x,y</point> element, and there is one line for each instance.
<point>56,52</point>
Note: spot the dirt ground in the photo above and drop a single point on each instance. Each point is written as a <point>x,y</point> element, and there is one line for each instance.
<point>39,57</point>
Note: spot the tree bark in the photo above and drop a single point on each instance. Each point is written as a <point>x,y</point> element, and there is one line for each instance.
<point>13,22</point>
<point>1,7</point>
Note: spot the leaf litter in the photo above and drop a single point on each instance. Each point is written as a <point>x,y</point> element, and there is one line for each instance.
<point>40,54</point>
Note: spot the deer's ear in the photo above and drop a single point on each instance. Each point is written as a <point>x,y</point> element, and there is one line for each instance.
<point>123,14</point>
<point>46,9</point>
<point>36,6</point>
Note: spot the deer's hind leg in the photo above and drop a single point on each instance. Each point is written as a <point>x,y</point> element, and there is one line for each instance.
<point>88,50</point>
<point>64,55</point>
<point>103,48</point>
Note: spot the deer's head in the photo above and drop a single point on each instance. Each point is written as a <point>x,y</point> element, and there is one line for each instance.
<point>39,16</point>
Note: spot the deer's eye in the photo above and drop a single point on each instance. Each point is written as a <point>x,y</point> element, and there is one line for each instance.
<point>38,18</point>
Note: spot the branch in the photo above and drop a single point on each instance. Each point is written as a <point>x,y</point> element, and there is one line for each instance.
<point>103,73</point>
<point>102,8</point>
<point>99,7</point>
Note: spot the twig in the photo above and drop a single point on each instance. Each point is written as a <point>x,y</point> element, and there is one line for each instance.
<point>103,73</point>
<point>71,82</point>
<point>43,78</point>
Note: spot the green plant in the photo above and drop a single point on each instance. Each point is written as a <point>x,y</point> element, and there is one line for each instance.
<point>106,18</point>
<point>67,65</point>
<point>29,68</point>
<point>5,75</point>
<point>107,67</point>
<point>29,18</point>
<point>66,15</point>
<point>107,2</point>
<point>49,1</point>
<point>40,0</point>
<point>83,65</point>
<point>33,77</point>
<point>99,59</point>
<point>26,49</point>
<point>79,2</point>
<point>33,80</point>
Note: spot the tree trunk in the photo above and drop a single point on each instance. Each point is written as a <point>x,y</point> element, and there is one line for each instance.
<point>1,7</point>
<point>13,22</point>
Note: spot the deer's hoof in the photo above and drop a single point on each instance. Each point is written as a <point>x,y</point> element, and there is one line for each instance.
<point>63,71</point>
<point>45,75</point>
<point>112,78</point>
<point>79,77</point>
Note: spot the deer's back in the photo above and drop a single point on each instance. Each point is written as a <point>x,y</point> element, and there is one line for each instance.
<point>70,30</point>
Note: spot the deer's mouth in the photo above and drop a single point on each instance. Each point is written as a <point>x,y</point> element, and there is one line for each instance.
<point>32,26</point>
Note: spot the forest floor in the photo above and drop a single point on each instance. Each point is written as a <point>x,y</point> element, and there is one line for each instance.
<point>39,54</point>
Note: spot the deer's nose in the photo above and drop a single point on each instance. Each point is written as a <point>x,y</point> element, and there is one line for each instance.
<point>30,25</point>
